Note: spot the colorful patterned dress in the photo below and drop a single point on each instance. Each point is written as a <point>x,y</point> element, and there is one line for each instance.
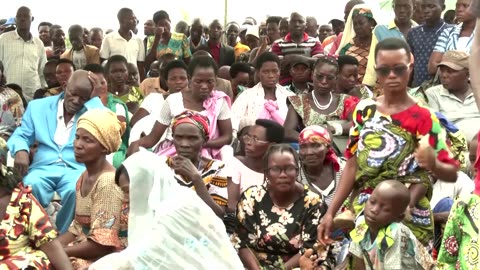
<point>384,146</point>
<point>460,248</point>
<point>361,54</point>
<point>301,105</point>
<point>101,215</point>
<point>213,177</point>
<point>23,230</point>
<point>275,234</point>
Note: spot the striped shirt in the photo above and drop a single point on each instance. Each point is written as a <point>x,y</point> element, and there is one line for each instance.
<point>308,47</point>
<point>24,62</point>
<point>449,40</point>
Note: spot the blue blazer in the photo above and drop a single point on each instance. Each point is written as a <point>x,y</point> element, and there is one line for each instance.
<point>39,123</point>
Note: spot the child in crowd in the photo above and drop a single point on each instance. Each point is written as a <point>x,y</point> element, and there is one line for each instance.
<point>381,241</point>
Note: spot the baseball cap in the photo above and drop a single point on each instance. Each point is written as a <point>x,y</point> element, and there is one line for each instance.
<point>456,60</point>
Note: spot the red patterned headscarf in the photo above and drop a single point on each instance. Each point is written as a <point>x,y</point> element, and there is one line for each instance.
<point>194,118</point>
<point>318,134</point>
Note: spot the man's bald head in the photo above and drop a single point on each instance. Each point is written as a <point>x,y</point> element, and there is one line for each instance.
<point>78,91</point>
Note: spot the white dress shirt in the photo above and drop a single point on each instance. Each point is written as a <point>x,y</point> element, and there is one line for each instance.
<point>63,132</point>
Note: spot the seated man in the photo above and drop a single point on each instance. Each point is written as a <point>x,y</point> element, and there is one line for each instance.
<point>50,122</point>
<point>454,97</point>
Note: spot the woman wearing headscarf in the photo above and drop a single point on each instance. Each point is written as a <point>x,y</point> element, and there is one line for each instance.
<point>320,168</point>
<point>169,225</point>
<point>192,169</point>
<point>28,237</point>
<point>357,36</point>
<point>99,226</point>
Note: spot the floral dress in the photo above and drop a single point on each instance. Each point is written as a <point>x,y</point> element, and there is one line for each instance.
<point>101,215</point>
<point>384,146</point>
<point>301,104</point>
<point>276,234</point>
<point>23,230</point>
<point>460,248</point>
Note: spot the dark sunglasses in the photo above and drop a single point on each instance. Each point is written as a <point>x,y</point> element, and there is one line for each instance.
<point>397,70</point>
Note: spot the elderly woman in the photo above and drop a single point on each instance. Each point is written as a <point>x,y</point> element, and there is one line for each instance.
<point>201,98</point>
<point>28,237</point>
<point>322,106</point>
<point>357,36</point>
<point>278,219</point>
<point>169,225</point>
<point>192,169</point>
<point>99,224</point>
<point>267,99</point>
<point>12,107</point>
<point>320,168</point>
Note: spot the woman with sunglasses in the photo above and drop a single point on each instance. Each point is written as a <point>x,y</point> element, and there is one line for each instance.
<point>393,137</point>
<point>321,105</point>
<point>279,217</point>
<point>247,170</point>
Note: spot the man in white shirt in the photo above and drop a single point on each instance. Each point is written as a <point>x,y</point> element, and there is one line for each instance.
<point>124,42</point>
<point>51,122</point>
<point>23,55</point>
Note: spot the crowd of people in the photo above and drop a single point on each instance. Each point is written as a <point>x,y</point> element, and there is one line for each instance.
<point>279,144</point>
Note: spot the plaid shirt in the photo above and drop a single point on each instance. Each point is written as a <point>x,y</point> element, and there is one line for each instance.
<point>24,62</point>
<point>448,40</point>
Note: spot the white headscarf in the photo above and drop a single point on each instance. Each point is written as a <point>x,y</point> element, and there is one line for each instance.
<point>171,228</point>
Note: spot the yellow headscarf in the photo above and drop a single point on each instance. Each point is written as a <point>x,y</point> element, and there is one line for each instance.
<point>104,126</point>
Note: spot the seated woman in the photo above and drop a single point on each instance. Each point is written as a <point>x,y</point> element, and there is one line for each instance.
<point>192,169</point>
<point>267,99</point>
<point>12,107</point>
<point>99,224</point>
<point>247,170</point>
<point>320,168</point>
<point>63,72</point>
<point>28,237</point>
<point>201,97</point>
<point>175,74</point>
<point>115,105</point>
<point>279,218</point>
<point>164,231</point>
<point>347,82</point>
<point>116,72</point>
<point>321,105</point>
